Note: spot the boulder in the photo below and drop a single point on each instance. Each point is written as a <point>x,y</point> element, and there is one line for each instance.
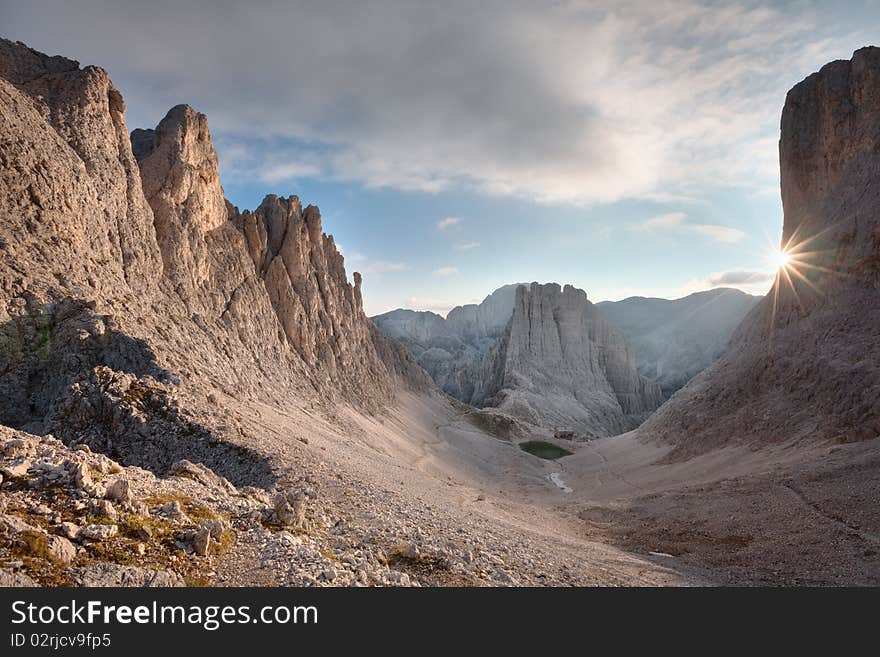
<point>97,532</point>
<point>119,490</point>
<point>61,550</point>
<point>290,509</point>
<point>115,575</point>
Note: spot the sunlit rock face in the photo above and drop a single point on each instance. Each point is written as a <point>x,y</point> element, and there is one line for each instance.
<point>120,251</point>
<point>805,363</point>
<point>562,365</point>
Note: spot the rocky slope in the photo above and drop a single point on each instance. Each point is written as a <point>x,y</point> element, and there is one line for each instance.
<point>805,363</point>
<point>133,296</point>
<point>146,254</point>
<point>674,340</point>
<point>538,352</point>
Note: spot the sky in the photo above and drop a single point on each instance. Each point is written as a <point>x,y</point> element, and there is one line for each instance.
<point>627,148</point>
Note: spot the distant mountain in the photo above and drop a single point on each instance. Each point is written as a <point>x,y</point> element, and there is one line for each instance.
<point>674,340</point>
<point>452,350</point>
<point>542,353</point>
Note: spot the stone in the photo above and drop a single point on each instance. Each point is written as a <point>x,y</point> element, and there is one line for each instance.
<point>290,509</point>
<point>201,541</point>
<point>18,468</point>
<point>119,490</point>
<point>69,530</point>
<point>215,528</point>
<point>105,508</point>
<point>61,550</point>
<point>15,525</point>
<point>82,476</point>
<point>173,511</point>
<point>10,578</point>
<point>200,473</point>
<point>411,551</point>
<point>97,532</point>
<point>115,575</point>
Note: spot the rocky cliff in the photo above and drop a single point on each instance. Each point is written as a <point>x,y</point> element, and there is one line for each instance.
<point>562,365</point>
<point>454,351</point>
<point>676,339</point>
<point>121,251</point>
<point>539,352</point>
<point>805,363</point>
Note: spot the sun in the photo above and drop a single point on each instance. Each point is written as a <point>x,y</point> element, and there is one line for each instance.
<point>780,259</point>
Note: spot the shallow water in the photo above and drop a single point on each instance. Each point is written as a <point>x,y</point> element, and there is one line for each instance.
<point>544,450</point>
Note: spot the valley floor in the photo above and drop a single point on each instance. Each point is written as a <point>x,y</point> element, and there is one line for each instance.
<point>424,492</point>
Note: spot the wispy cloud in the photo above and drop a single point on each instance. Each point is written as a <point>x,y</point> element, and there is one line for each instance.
<point>677,221</point>
<point>365,265</point>
<point>669,220</point>
<point>466,246</point>
<point>718,233</point>
<point>445,271</point>
<point>750,281</point>
<point>676,95</point>
<point>447,222</point>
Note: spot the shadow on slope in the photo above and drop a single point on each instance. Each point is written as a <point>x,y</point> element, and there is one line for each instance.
<point>66,370</point>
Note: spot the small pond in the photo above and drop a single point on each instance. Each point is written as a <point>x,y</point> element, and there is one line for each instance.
<point>544,450</point>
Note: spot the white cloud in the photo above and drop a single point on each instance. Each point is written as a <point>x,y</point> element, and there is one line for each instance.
<point>287,171</point>
<point>717,233</point>
<point>676,221</point>
<point>466,246</point>
<point>447,222</point>
<point>558,102</point>
<point>669,220</point>
<point>445,271</point>
<point>365,265</point>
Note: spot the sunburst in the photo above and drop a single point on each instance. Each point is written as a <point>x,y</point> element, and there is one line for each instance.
<point>796,267</point>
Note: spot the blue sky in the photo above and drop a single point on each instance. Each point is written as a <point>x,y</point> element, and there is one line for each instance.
<point>625,147</point>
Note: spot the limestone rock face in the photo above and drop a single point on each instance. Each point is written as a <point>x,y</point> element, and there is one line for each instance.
<point>487,320</point>
<point>805,363</point>
<point>562,365</point>
<point>320,312</point>
<point>181,181</point>
<point>457,352</point>
<point>674,340</point>
<point>538,352</point>
<point>73,214</point>
<point>138,264</point>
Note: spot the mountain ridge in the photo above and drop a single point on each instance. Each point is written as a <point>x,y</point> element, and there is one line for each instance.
<point>803,365</point>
